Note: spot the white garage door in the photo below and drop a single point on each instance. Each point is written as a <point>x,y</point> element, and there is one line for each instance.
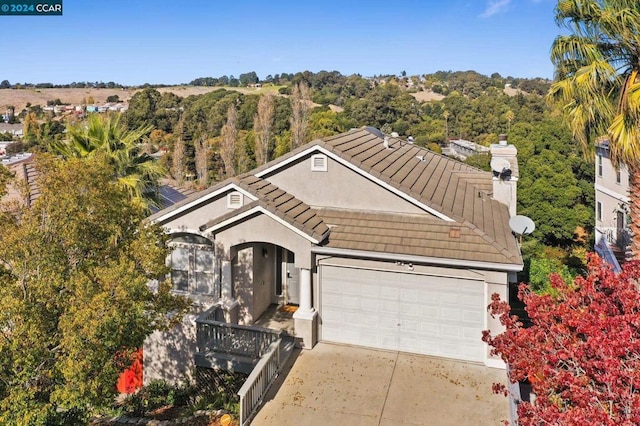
<point>401,311</point>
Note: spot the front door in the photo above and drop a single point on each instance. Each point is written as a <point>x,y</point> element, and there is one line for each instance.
<point>292,275</point>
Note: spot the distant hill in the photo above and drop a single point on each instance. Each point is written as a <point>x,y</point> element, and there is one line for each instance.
<point>74,96</point>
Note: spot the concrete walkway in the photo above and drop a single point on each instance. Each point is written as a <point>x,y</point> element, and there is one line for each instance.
<point>344,385</point>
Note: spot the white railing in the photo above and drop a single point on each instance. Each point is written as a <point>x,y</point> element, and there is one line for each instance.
<point>619,237</point>
<point>258,383</point>
<point>603,248</point>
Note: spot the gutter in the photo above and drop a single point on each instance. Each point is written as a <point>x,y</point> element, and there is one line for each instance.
<point>417,259</point>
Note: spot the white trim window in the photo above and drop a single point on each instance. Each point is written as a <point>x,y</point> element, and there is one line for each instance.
<point>319,163</point>
<point>193,269</point>
<point>600,165</point>
<point>599,211</point>
<point>235,200</point>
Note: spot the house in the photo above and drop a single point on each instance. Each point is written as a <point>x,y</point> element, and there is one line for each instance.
<point>612,236</point>
<point>462,149</point>
<point>374,241</point>
<point>24,190</point>
<point>13,129</point>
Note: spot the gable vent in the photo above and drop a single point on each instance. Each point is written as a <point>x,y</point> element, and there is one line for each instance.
<point>319,163</point>
<point>234,200</point>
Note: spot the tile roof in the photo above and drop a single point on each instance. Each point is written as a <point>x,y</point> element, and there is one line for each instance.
<point>414,235</point>
<point>280,203</point>
<point>451,188</point>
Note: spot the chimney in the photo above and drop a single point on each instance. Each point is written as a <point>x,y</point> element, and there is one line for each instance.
<point>505,183</point>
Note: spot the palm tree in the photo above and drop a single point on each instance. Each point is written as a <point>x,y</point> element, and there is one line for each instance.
<point>107,136</point>
<point>509,115</point>
<point>597,82</point>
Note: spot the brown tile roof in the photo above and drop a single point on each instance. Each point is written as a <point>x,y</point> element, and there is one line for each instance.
<point>449,187</point>
<point>414,235</point>
<point>280,203</point>
<point>452,188</point>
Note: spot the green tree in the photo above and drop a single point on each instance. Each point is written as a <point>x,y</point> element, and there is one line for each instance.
<point>597,85</point>
<point>74,294</point>
<point>106,136</point>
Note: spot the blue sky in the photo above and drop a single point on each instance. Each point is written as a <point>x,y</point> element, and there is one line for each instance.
<point>143,41</point>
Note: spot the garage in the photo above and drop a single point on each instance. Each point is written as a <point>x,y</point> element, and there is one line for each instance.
<point>408,312</point>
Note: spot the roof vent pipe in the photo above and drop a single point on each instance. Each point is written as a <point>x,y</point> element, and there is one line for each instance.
<point>386,141</point>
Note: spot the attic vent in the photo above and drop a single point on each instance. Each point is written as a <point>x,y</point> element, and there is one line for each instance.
<point>319,163</point>
<point>454,233</point>
<point>234,200</point>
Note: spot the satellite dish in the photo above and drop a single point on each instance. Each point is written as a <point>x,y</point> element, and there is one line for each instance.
<point>501,168</point>
<point>522,225</point>
<point>498,164</point>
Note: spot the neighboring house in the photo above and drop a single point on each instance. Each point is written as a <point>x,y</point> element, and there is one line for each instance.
<point>13,129</point>
<point>612,236</point>
<point>23,188</point>
<point>462,148</point>
<point>378,242</point>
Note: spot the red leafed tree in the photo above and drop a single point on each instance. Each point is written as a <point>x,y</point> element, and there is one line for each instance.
<point>131,379</point>
<point>581,351</point>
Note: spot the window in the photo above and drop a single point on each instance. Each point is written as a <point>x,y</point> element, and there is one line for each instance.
<point>234,200</point>
<point>599,211</point>
<point>319,163</point>
<point>193,269</point>
<point>617,175</point>
<point>600,165</point>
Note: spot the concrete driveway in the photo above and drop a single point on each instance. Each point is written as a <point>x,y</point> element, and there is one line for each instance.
<point>345,385</point>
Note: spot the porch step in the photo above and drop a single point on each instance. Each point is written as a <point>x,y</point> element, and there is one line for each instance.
<point>287,345</point>
<point>621,255</point>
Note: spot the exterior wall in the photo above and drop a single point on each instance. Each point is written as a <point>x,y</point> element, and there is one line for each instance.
<point>607,179</point>
<point>253,277</point>
<point>262,228</point>
<point>495,282</point>
<point>243,283</point>
<point>192,219</point>
<point>611,195</point>
<point>264,273</point>
<point>339,187</point>
<point>168,355</point>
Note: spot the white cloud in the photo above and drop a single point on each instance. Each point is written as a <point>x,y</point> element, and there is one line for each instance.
<point>495,6</point>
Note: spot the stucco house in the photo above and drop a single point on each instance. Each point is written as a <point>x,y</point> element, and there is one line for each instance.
<point>372,240</point>
<point>612,235</point>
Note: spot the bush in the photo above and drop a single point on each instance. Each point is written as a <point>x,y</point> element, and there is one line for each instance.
<point>156,394</point>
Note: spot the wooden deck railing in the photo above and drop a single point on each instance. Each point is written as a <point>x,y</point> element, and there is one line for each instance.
<point>259,382</point>
<point>221,337</point>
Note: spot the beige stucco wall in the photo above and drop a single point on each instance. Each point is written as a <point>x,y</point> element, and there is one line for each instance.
<point>168,355</point>
<point>611,194</point>
<point>608,178</point>
<point>495,282</point>
<point>192,219</point>
<point>263,278</point>
<point>253,278</point>
<point>262,228</point>
<point>339,187</point>
<point>243,282</point>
